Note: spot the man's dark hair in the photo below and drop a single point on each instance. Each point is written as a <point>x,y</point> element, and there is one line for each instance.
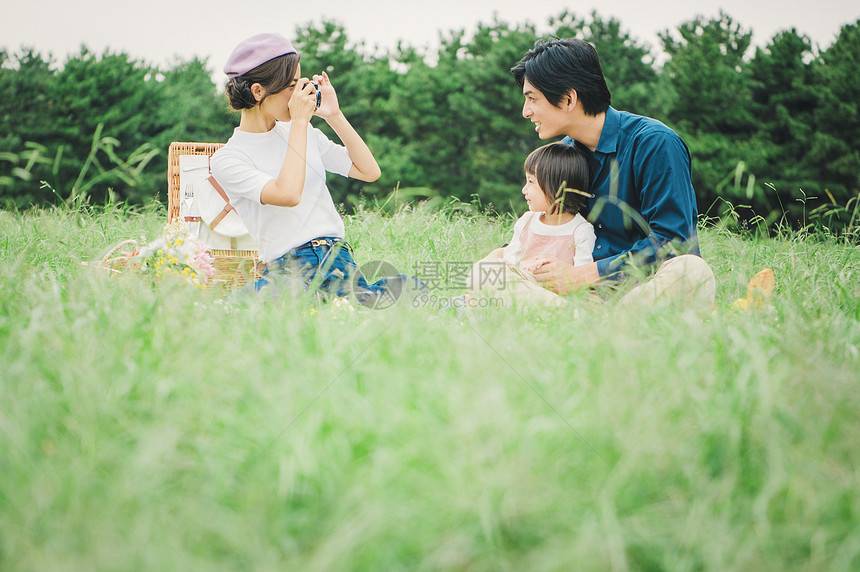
<point>555,67</point>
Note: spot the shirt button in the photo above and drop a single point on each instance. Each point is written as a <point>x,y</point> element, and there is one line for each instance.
<point>599,225</point>
<point>599,246</point>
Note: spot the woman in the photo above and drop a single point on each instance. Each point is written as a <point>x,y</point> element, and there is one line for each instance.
<point>274,166</point>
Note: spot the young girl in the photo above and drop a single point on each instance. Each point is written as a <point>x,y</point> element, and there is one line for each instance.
<point>274,168</point>
<point>556,190</point>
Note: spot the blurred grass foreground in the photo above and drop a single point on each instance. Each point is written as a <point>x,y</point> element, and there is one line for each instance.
<point>152,426</point>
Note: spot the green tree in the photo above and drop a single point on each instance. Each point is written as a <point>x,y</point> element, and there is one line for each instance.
<point>709,76</point>
<point>437,128</point>
<point>448,122</point>
<point>708,72</point>
<point>94,123</point>
<point>363,83</point>
<point>837,119</point>
<point>111,90</point>
<point>460,119</point>
<point>193,110</point>
<point>27,113</point>
<point>488,100</point>
<point>627,64</point>
<point>25,86</point>
<point>784,101</point>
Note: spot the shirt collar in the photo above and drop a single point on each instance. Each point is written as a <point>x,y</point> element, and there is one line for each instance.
<point>609,134</point>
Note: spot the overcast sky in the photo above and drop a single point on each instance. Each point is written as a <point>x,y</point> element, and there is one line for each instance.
<point>158,31</point>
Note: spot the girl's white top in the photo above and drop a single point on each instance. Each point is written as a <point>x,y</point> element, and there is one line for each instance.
<point>572,242</point>
<point>250,160</point>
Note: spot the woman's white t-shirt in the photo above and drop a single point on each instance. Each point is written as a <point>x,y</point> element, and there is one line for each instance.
<point>248,161</point>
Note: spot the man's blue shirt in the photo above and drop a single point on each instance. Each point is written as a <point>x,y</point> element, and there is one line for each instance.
<point>643,194</point>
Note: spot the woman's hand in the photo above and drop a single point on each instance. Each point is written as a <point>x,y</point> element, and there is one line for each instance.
<point>303,101</point>
<point>329,106</point>
<point>364,166</point>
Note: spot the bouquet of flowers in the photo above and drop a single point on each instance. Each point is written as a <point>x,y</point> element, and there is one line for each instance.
<point>175,252</point>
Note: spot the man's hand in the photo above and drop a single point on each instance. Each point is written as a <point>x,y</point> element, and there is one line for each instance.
<point>561,277</point>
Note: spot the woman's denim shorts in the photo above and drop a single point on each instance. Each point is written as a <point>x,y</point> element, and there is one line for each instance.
<point>325,266</point>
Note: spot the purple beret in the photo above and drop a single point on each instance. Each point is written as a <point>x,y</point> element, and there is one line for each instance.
<point>256,51</point>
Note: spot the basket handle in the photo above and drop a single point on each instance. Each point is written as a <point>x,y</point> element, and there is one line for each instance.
<point>106,258</point>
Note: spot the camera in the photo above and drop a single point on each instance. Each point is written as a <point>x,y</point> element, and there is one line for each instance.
<point>318,94</point>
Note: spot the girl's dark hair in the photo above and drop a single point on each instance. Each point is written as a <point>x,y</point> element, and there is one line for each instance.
<point>557,66</point>
<point>275,76</point>
<point>563,175</point>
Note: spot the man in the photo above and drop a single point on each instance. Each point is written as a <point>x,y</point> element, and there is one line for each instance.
<point>644,207</point>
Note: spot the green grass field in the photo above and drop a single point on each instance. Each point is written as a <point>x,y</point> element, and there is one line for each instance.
<point>152,427</point>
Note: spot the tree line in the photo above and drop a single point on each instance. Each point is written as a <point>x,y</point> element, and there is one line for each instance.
<point>772,130</point>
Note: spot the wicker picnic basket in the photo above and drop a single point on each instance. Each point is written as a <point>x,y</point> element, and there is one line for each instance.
<point>233,267</point>
<point>115,260</point>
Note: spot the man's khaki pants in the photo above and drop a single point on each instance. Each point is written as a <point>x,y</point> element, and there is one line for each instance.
<point>686,280</point>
